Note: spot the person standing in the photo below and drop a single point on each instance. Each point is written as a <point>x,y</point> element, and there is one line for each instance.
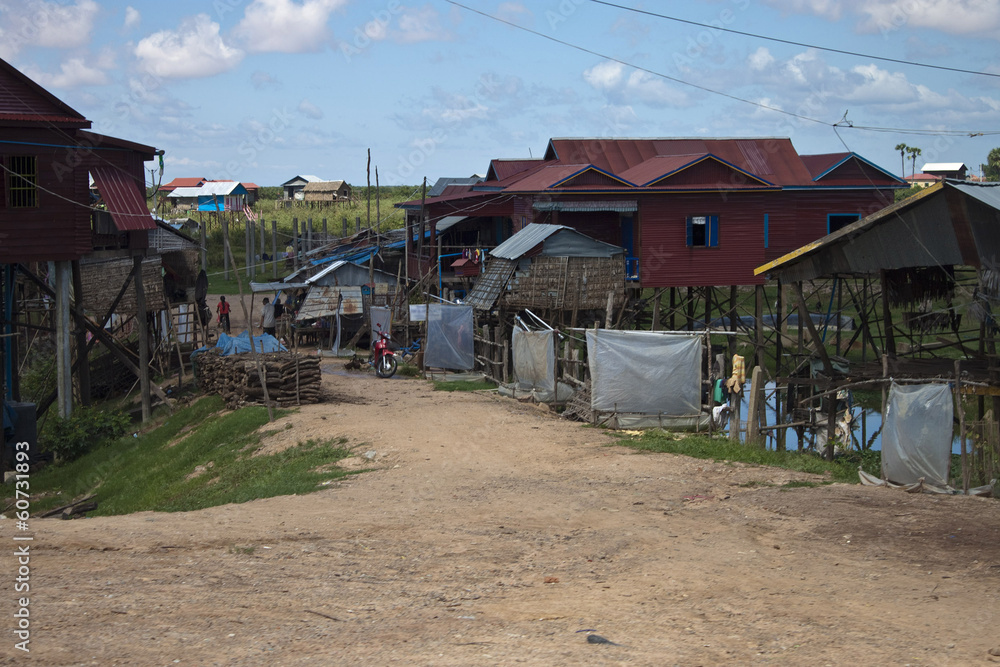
<point>267,317</point>
<point>223,310</point>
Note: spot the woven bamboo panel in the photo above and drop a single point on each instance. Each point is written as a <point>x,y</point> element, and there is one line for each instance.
<point>102,281</point>
<point>563,283</point>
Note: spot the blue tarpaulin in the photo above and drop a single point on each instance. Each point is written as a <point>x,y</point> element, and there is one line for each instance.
<point>240,344</point>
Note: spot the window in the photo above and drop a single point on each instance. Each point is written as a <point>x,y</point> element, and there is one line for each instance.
<point>835,221</point>
<point>703,231</point>
<point>22,184</point>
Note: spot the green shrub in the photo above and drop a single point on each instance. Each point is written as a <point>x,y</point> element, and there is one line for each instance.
<point>83,431</point>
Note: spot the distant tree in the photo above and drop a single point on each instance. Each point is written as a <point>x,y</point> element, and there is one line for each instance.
<point>908,192</point>
<point>991,170</point>
<point>914,152</point>
<point>270,192</point>
<point>902,157</point>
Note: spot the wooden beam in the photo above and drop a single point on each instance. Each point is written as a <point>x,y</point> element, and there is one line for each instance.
<point>113,346</point>
<point>817,343</point>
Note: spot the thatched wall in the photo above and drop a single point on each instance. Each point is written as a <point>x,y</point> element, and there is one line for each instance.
<point>102,280</point>
<point>565,283</point>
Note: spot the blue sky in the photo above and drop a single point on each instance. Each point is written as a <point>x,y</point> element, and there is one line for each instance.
<point>263,90</point>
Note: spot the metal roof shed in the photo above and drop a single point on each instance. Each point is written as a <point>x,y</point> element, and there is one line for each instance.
<point>946,224</point>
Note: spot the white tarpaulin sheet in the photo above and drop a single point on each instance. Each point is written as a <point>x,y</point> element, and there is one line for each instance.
<point>535,362</point>
<point>449,337</point>
<point>917,434</point>
<point>644,372</point>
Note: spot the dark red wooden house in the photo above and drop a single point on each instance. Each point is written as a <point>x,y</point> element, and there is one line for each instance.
<point>689,212</point>
<point>47,158</point>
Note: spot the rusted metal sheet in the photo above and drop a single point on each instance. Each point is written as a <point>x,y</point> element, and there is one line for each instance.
<point>322,302</point>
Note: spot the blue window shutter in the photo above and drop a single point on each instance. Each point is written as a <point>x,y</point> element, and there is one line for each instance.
<point>690,236</point>
<point>713,231</point>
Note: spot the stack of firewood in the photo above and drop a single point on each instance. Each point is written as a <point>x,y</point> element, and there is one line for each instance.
<point>291,379</point>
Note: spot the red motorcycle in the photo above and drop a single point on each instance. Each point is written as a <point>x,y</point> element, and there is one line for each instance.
<point>383,359</point>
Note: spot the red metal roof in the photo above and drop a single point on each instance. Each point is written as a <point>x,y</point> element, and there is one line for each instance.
<point>182,182</point>
<point>501,169</point>
<point>125,198</point>
<point>24,101</point>
<point>771,159</point>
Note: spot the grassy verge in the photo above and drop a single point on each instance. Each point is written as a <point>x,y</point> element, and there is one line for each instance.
<point>843,469</point>
<point>462,385</point>
<point>201,456</point>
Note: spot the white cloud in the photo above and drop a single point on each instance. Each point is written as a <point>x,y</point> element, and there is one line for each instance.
<point>72,73</point>
<point>45,24</point>
<point>310,110</point>
<point>419,25</point>
<point>956,17</point>
<point>286,26</point>
<point>760,59</point>
<point>605,76</point>
<point>261,80</point>
<point>132,17</point>
<point>610,78</point>
<point>194,50</point>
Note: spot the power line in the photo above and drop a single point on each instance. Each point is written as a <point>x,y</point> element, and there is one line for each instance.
<point>637,67</point>
<point>793,43</point>
<point>841,123</point>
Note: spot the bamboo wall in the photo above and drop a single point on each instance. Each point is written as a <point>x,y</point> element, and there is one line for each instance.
<point>565,283</point>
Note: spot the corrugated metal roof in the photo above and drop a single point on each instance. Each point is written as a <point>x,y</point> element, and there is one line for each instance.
<point>165,239</point>
<point>322,302</point>
<point>486,291</point>
<point>126,202</point>
<point>448,222</point>
<point>623,206</point>
<point>525,240</point>
<point>329,269</point>
<point>210,189</point>
<point>988,193</point>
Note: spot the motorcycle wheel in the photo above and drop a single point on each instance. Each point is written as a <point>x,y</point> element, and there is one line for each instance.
<point>386,366</point>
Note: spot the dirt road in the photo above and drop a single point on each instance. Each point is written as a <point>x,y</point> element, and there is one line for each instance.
<point>490,532</point>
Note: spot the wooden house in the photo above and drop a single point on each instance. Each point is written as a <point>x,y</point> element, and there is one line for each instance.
<point>210,197</point>
<point>326,191</point>
<point>293,187</point>
<point>688,212</point>
<point>954,170</point>
<point>551,268</point>
<point>47,157</point>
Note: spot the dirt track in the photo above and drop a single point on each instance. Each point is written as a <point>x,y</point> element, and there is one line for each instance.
<point>492,533</point>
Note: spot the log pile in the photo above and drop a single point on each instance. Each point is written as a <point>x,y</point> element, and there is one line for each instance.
<point>292,379</point>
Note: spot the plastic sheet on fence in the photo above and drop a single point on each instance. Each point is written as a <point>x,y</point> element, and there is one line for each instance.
<point>449,337</point>
<point>644,372</point>
<point>535,362</point>
<point>917,434</point>
<point>381,319</point>
<point>534,355</point>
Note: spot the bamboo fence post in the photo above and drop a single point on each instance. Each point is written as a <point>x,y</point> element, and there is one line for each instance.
<point>961,425</point>
<point>261,373</point>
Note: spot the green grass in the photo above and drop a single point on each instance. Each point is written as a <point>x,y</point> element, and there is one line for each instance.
<point>843,469</point>
<point>463,385</point>
<point>154,470</point>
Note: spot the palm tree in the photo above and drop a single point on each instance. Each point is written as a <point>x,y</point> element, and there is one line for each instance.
<point>902,157</point>
<point>914,152</point>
